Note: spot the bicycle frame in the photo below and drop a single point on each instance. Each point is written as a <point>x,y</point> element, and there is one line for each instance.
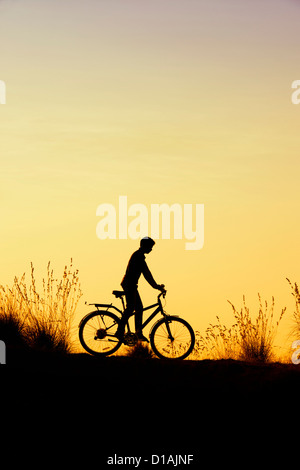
<point>153,314</point>
<point>148,320</point>
<point>170,336</point>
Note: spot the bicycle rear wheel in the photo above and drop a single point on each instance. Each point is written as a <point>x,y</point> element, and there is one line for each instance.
<point>97,333</point>
<point>172,338</point>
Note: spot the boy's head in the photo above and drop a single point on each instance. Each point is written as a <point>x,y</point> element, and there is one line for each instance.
<point>146,244</point>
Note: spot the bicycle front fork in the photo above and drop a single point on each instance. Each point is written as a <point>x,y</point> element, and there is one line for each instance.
<point>168,329</point>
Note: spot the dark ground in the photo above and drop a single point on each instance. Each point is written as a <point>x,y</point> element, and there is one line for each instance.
<point>87,409</point>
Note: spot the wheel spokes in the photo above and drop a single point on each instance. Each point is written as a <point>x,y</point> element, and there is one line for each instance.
<point>180,342</point>
<point>99,333</point>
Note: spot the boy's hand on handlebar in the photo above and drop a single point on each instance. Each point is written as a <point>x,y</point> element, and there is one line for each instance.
<point>161,287</point>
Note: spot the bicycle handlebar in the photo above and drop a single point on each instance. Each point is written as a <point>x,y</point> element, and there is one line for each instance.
<point>163,292</point>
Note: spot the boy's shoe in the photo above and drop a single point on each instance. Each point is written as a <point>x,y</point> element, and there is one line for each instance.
<point>141,337</point>
<point>119,333</point>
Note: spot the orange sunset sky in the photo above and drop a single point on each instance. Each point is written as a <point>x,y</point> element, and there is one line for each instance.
<point>164,101</point>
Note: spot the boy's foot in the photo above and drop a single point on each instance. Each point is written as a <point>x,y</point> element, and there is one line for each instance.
<point>141,337</point>
<point>119,333</point>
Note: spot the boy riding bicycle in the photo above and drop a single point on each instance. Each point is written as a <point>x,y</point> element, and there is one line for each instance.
<point>137,266</point>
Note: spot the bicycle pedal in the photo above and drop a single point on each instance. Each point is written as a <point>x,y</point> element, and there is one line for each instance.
<point>130,339</point>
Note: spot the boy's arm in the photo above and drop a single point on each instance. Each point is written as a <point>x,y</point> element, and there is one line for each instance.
<point>148,276</point>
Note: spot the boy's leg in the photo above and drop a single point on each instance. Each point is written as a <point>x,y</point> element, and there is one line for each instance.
<point>133,304</point>
<point>129,294</point>
<point>139,318</point>
<point>138,307</point>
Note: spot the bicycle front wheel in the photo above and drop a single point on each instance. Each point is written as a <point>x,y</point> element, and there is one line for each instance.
<point>97,333</point>
<point>172,338</point>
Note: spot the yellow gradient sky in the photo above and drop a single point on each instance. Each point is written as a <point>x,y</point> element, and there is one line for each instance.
<point>163,101</point>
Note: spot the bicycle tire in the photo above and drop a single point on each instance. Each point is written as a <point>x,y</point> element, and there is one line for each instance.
<point>161,344</point>
<point>90,327</point>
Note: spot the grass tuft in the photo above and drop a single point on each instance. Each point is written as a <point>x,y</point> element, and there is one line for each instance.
<point>296,315</point>
<point>40,320</point>
<point>141,350</point>
<point>247,339</point>
<point>256,337</point>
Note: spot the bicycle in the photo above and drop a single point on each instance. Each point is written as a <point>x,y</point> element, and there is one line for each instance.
<point>171,337</point>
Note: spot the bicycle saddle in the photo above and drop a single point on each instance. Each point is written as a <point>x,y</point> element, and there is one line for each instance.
<point>118,293</point>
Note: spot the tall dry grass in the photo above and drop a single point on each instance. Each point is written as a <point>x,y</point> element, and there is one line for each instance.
<point>295,331</point>
<point>256,336</point>
<point>218,342</point>
<point>40,320</point>
<point>250,339</point>
<point>140,351</point>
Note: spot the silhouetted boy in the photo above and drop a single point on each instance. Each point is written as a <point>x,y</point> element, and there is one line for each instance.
<point>137,266</point>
